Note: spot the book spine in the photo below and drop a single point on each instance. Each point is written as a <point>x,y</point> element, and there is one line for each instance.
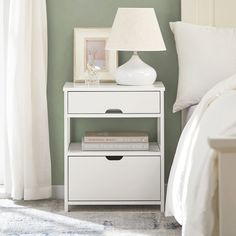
<point>115,146</point>
<point>116,139</point>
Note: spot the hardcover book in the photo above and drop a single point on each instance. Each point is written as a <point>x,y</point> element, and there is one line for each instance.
<point>116,137</point>
<point>114,146</point>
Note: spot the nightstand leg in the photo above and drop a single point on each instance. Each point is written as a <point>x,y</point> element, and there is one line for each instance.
<point>162,147</point>
<point>66,207</point>
<point>162,207</point>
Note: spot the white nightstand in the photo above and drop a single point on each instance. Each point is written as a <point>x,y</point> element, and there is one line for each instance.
<point>114,177</point>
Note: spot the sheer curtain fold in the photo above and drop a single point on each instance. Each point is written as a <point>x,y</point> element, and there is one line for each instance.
<point>27,165</point>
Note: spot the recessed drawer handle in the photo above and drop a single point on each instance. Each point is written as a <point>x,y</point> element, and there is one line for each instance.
<point>115,111</point>
<point>114,158</point>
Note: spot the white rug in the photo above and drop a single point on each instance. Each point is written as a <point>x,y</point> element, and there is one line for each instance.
<point>47,218</point>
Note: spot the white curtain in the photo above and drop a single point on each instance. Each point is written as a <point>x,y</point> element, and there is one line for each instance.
<point>24,139</point>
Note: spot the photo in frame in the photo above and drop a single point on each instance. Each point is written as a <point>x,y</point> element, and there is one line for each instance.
<point>89,48</point>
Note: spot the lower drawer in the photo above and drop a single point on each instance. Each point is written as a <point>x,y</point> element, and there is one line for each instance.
<point>114,178</point>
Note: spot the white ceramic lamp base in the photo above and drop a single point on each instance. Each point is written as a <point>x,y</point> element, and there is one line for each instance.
<point>135,72</point>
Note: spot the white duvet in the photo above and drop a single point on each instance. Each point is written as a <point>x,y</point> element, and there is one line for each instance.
<point>192,187</point>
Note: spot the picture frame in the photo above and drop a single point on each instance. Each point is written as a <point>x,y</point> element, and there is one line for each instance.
<point>89,47</point>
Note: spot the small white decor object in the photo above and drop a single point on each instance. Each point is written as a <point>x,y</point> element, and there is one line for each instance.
<point>89,52</point>
<point>135,29</point>
<point>93,77</point>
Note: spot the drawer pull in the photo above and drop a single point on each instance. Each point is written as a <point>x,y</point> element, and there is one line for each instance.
<point>114,158</point>
<point>115,111</point>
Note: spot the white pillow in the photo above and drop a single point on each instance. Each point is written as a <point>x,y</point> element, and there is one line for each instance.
<point>206,55</point>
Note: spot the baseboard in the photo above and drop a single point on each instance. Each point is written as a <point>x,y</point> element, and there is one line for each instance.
<point>58,191</point>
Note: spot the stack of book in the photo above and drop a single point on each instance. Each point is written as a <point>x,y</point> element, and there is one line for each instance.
<point>115,141</point>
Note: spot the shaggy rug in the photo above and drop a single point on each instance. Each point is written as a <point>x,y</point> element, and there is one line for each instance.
<point>47,218</point>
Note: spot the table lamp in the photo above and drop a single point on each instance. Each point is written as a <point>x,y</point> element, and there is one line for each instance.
<point>135,29</point>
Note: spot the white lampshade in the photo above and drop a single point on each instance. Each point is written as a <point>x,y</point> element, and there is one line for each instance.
<point>135,29</point>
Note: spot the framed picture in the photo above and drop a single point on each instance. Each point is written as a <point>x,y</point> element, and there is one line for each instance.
<point>89,48</point>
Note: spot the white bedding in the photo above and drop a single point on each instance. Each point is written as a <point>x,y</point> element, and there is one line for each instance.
<point>189,112</point>
<point>191,193</point>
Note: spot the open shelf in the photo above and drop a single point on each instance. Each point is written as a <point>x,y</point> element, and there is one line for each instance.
<point>75,150</point>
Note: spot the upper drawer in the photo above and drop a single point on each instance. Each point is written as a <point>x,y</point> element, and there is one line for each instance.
<point>102,102</point>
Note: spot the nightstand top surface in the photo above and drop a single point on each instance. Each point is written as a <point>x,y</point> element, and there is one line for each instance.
<point>70,86</point>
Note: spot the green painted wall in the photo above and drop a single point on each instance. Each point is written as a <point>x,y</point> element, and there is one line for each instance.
<point>63,16</point>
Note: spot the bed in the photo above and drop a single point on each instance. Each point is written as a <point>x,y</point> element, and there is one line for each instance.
<point>186,114</point>
<point>201,194</point>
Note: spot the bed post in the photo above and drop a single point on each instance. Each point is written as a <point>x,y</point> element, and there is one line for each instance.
<point>226,149</point>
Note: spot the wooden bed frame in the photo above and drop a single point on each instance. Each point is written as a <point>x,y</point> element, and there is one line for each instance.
<point>219,13</point>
